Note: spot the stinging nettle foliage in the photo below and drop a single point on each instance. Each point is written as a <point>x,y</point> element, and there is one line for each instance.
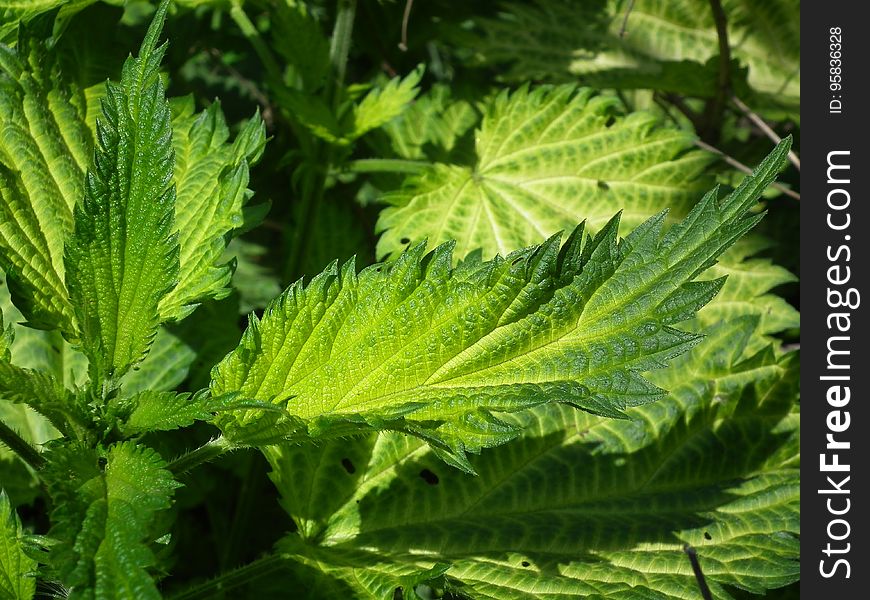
<point>465,418</point>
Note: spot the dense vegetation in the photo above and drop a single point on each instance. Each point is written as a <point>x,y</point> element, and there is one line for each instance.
<point>509,312</point>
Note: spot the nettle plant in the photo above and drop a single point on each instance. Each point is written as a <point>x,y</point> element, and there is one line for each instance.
<point>466,419</point>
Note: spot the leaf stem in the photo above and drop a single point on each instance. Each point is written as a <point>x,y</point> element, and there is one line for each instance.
<point>385,165</point>
<point>205,453</point>
<point>19,446</point>
<point>699,574</point>
<point>715,108</point>
<point>233,578</point>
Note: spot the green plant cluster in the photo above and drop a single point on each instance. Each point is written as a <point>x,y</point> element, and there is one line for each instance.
<point>509,316</point>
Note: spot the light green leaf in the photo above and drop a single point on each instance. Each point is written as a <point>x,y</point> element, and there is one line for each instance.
<point>44,394</point>
<point>558,40</point>
<point>122,257</point>
<point>44,150</point>
<point>19,480</point>
<point>102,519</point>
<point>164,411</point>
<point>433,351</point>
<point>44,351</point>
<point>546,159</point>
<point>578,507</point>
<point>17,581</point>
<point>434,122</point>
<point>382,104</point>
<point>211,178</point>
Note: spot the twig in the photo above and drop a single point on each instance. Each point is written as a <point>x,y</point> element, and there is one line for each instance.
<point>765,129</point>
<point>699,575</point>
<point>743,168</point>
<point>403,45</point>
<point>624,29</point>
<point>715,108</point>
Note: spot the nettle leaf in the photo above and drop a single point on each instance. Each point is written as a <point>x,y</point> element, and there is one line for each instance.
<point>665,44</point>
<point>17,581</point>
<point>579,506</point>
<point>211,178</point>
<point>164,411</point>
<point>747,291</point>
<point>431,127</point>
<point>44,151</point>
<point>46,395</point>
<point>546,158</point>
<point>102,519</point>
<point>382,104</point>
<point>354,119</point>
<point>433,351</point>
<point>122,257</point>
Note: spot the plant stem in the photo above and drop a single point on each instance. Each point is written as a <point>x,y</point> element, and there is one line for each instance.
<point>323,154</point>
<point>385,165</point>
<point>250,32</point>
<point>715,108</point>
<point>25,451</point>
<point>233,579</point>
<point>765,129</point>
<point>205,453</point>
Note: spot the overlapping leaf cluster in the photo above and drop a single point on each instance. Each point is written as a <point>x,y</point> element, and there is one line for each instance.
<point>498,410</point>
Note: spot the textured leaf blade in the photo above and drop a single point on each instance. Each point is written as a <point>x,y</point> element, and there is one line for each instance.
<point>429,350</point>
<point>17,581</point>
<point>102,518</point>
<point>122,257</point>
<point>211,178</point>
<point>579,506</point>
<point>546,159</point>
<point>44,150</point>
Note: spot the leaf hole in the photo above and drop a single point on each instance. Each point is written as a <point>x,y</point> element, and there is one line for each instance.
<point>405,240</point>
<point>398,594</point>
<point>348,465</point>
<point>526,563</point>
<point>602,185</point>
<point>610,121</point>
<point>707,535</point>
<point>429,477</point>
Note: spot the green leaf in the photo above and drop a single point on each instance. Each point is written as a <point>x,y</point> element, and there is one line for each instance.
<point>16,568</point>
<point>47,396</point>
<point>560,40</point>
<point>433,351</point>
<point>44,150</point>
<point>122,257</point>
<point>382,104</point>
<point>578,507</point>
<point>546,159</point>
<point>164,411</point>
<point>40,350</point>
<point>432,126</point>
<point>211,178</point>
<point>19,480</point>
<point>102,519</point>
